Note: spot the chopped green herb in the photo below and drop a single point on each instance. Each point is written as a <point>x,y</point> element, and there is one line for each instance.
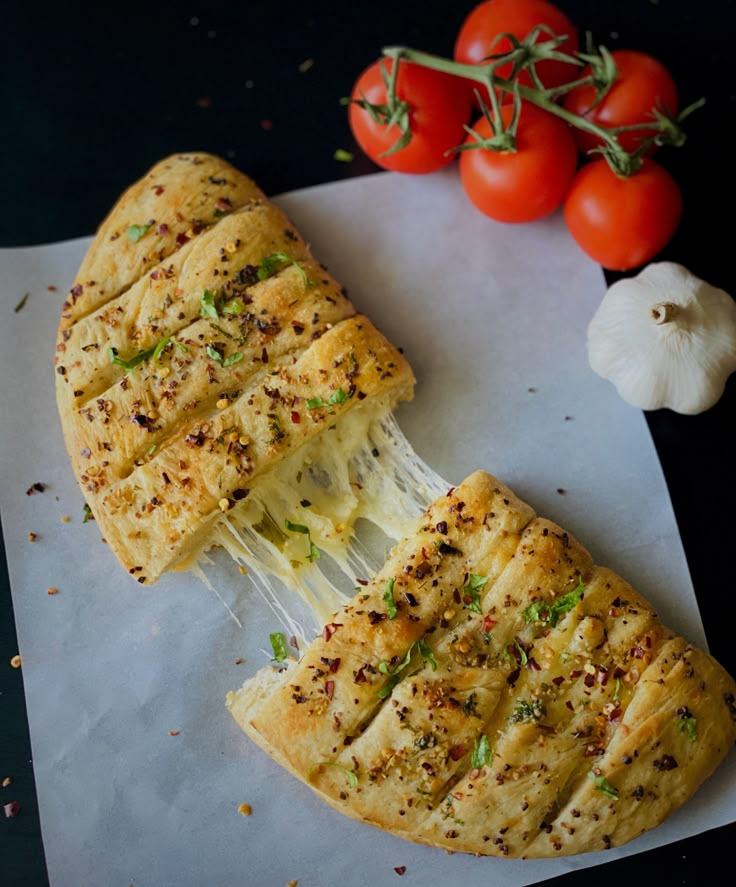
<point>617,690</point>
<point>515,645</point>
<point>273,263</point>
<point>472,589</point>
<point>603,785</point>
<point>388,599</point>
<point>549,614</point>
<point>525,712</point>
<point>135,232</point>
<point>216,355</point>
<point>278,645</point>
<point>336,397</point>
<point>181,346</point>
<point>314,553</point>
<point>207,304</point>
<point>160,347</point>
<point>87,514</point>
<point>426,653</point>
<point>234,306</point>
<point>690,725</point>
<point>482,752</point>
<point>21,305</point>
<point>132,362</point>
<point>469,706</point>
<point>352,776</point>
<point>343,156</point>
<point>236,357</point>
<point>151,450</point>
<point>389,686</point>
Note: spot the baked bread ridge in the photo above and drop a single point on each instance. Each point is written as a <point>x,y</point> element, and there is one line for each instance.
<point>545,712</point>
<point>189,352</point>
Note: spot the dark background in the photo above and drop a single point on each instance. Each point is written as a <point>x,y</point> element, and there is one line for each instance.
<point>92,95</point>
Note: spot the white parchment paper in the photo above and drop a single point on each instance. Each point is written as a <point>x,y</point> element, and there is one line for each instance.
<point>493,320</point>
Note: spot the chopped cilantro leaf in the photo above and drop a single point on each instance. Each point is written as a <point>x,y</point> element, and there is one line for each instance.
<point>336,397</point>
<point>426,653</point>
<point>314,553</point>
<point>482,752</point>
<point>132,362</point>
<point>603,785</point>
<point>278,645</point>
<point>87,514</point>
<point>471,591</point>
<point>236,357</point>
<point>388,599</point>
<point>525,712</point>
<point>135,232</point>
<point>549,613</point>
<point>690,726</point>
<point>207,305</point>
<point>273,263</point>
<point>351,775</point>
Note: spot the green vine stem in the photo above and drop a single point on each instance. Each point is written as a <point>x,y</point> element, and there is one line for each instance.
<point>523,56</point>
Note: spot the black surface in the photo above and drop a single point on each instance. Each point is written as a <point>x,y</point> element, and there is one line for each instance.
<point>91,96</point>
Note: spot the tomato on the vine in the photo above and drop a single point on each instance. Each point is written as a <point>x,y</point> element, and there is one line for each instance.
<point>642,84</point>
<point>488,20</point>
<point>525,184</point>
<point>622,223</point>
<point>438,107</point>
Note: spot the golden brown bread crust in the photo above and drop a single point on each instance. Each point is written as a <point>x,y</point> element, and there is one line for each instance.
<point>541,710</point>
<point>229,351</point>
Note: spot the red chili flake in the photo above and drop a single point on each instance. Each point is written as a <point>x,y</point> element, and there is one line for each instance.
<point>330,629</point>
<point>329,689</point>
<point>223,204</point>
<point>457,751</point>
<point>162,229</point>
<point>267,125</point>
<point>51,288</point>
<point>362,581</point>
<point>158,190</point>
<point>76,291</point>
<point>295,417</point>
<point>558,680</point>
<point>204,102</point>
<point>181,238</point>
<point>35,488</point>
<point>489,623</point>
<point>11,809</point>
<point>400,869</point>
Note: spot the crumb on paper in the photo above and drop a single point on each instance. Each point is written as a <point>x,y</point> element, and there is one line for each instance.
<point>32,536</point>
<point>292,883</point>
<point>239,660</point>
<point>65,518</point>
<point>38,487</point>
<point>21,304</point>
<point>51,288</point>
<point>174,732</point>
<point>15,661</point>
<point>52,590</point>
<point>7,781</point>
<point>245,809</point>
<point>568,418</point>
<point>561,491</point>
<point>400,869</point>
<point>242,570</point>
<point>532,390</point>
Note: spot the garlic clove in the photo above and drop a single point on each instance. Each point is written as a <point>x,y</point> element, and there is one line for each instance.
<point>665,338</point>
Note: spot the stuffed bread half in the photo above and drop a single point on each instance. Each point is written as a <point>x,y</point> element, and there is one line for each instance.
<point>200,349</point>
<point>493,691</point>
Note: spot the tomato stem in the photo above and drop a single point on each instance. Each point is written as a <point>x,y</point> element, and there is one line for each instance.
<point>522,56</point>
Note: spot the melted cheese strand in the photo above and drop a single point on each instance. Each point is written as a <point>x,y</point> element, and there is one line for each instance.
<point>327,514</point>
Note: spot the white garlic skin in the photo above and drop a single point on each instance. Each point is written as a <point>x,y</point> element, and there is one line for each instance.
<point>682,363</point>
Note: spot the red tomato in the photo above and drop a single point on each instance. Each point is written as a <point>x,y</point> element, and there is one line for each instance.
<point>439,108</point>
<point>622,223</point>
<point>517,17</point>
<point>643,83</point>
<point>525,184</point>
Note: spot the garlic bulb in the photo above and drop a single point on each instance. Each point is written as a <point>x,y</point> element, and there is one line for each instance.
<point>665,338</point>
